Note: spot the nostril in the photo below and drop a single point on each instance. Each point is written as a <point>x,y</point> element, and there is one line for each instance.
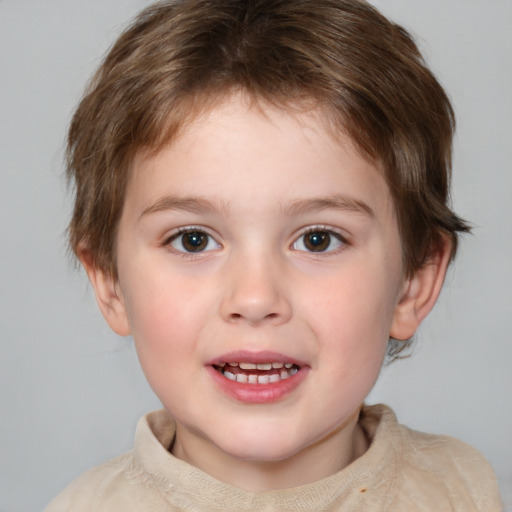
<point>239,316</point>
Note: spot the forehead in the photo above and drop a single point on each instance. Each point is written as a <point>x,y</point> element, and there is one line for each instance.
<point>241,150</point>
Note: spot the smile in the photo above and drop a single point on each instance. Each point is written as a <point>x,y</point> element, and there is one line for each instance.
<point>257,373</point>
<point>257,377</point>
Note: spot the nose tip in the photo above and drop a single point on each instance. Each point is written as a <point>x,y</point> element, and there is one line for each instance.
<point>255,296</point>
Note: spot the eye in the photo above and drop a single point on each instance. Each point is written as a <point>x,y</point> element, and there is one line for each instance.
<point>193,240</point>
<point>318,240</point>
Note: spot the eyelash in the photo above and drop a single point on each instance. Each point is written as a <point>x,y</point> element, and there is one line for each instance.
<point>189,230</point>
<point>320,230</point>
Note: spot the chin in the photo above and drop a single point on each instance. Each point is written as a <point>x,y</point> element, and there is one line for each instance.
<point>261,446</point>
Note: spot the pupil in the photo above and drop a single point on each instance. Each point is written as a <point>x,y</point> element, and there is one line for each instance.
<point>195,241</point>
<point>317,241</point>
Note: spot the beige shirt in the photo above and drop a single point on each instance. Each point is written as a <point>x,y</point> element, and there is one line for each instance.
<point>402,471</point>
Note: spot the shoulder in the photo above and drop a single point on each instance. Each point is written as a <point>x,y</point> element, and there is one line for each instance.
<point>443,472</point>
<point>116,486</point>
<point>128,483</point>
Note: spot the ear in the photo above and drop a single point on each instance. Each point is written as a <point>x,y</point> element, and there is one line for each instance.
<point>420,292</point>
<point>108,293</point>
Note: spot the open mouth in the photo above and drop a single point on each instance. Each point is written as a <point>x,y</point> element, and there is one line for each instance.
<point>257,373</point>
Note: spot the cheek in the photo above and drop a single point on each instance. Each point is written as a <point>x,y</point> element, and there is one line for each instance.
<point>353,316</point>
<point>165,334</point>
<point>360,300</point>
<point>157,299</point>
<point>166,318</point>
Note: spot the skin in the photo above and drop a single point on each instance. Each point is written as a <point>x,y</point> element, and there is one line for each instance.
<point>254,181</point>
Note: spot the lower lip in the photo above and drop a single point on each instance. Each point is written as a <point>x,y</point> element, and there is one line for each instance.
<point>258,393</point>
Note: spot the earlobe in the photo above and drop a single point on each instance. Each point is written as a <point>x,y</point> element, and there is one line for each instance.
<point>108,293</point>
<point>420,293</point>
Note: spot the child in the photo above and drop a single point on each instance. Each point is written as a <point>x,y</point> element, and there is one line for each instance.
<point>261,202</point>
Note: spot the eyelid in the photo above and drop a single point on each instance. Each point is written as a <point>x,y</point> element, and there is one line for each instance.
<point>176,233</point>
<point>323,227</point>
<point>336,232</point>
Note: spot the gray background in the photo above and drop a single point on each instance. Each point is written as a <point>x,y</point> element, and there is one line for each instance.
<point>71,392</point>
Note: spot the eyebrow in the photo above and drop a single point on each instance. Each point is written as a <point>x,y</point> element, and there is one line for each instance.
<point>185,204</point>
<point>336,202</point>
<point>300,207</point>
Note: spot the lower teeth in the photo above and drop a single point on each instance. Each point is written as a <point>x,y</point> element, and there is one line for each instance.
<point>252,378</point>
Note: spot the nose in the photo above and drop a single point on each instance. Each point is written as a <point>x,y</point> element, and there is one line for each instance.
<point>255,292</point>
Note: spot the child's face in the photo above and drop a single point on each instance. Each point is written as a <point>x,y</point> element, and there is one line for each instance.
<point>257,238</point>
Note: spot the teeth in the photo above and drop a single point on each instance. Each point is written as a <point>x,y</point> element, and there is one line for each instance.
<point>259,366</point>
<point>252,379</point>
<point>248,366</point>
<point>287,370</point>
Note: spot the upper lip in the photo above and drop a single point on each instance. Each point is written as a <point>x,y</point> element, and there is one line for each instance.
<point>244,356</point>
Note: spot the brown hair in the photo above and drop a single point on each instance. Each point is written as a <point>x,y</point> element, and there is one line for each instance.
<point>362,70</point>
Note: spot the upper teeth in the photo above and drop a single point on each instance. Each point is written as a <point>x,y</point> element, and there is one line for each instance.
<point>259,366</point>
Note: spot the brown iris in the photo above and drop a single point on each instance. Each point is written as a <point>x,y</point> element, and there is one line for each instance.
<point>317,241</point>
<point>194,241</point>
